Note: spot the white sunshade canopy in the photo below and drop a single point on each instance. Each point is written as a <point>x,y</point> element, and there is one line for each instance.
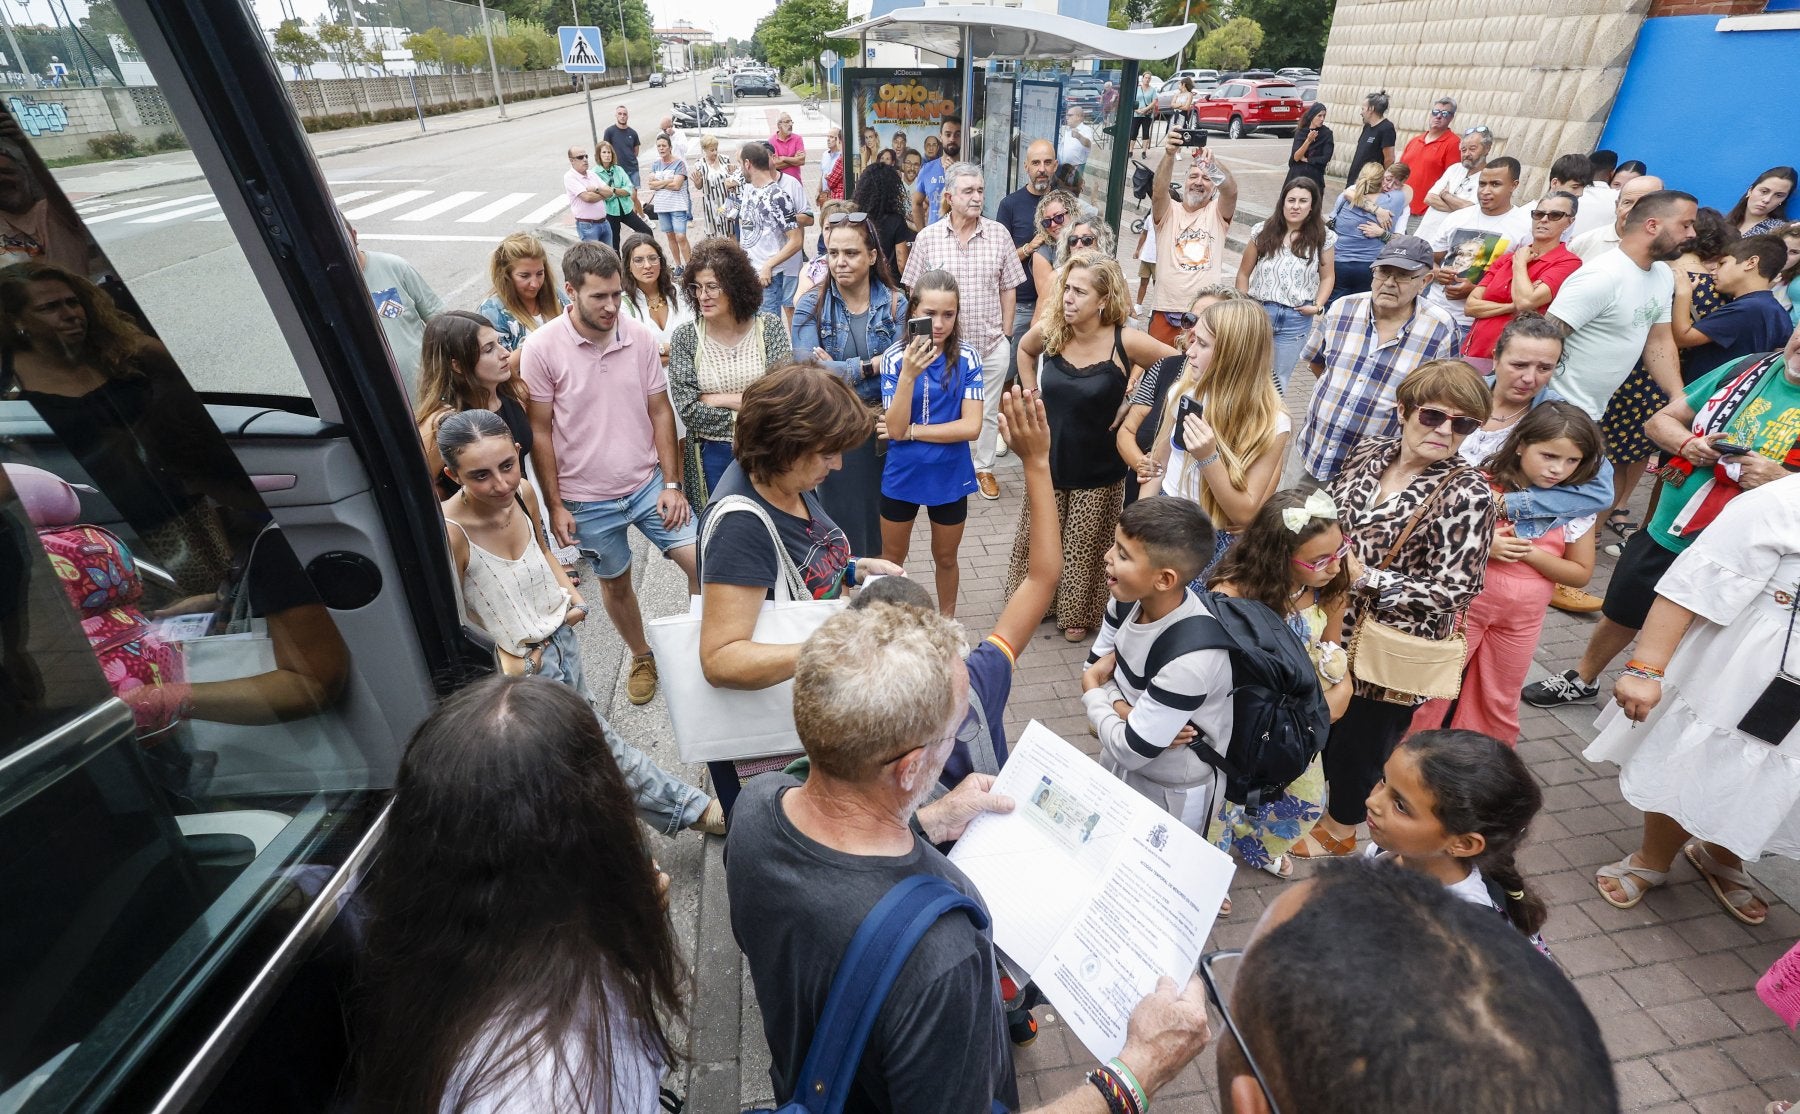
<point>997,32</point>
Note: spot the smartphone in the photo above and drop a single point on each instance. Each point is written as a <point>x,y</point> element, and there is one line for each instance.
<point>1726,448</point>
<point>1187,405</point>
<point>1775,713</point>
<point>918,327</point>
<point>1193,137</point>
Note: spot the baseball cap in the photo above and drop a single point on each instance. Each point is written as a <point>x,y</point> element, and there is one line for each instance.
<point>1409,253</point>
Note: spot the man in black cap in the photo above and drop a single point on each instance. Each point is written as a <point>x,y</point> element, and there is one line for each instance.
<point>1366,345</point>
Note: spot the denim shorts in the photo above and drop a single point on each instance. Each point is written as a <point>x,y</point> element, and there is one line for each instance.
<point>600,528</point>
<point>673,222</point>
<point>779,292</point>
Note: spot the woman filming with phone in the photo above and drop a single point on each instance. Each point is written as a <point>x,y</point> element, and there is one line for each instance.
<point>932,391</point>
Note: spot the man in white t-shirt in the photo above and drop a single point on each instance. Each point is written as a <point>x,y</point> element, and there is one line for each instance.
<point>768,226</point>
<point>1073,149</point>
<point>1574,173</point>
<point>1456,186</point>
<point>1617,308</point>
<point>1592,244</point>
<point>1190,236</point>
<point>1470,239</point>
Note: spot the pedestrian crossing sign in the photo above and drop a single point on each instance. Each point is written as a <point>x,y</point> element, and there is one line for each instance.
<point>582,50</point>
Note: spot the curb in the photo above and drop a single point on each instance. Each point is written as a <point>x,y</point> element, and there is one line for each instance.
<point>347,150</point>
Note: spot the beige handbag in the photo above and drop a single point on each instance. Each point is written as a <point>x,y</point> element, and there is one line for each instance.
<point>1409,667</point>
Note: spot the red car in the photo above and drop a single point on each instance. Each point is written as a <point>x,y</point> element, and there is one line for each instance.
<point>1242,106</point>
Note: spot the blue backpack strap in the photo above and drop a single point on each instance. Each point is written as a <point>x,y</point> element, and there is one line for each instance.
<point>871,963</point>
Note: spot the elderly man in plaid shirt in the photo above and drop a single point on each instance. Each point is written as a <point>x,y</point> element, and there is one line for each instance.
<point>1368,343</point>
<point>979,254</point>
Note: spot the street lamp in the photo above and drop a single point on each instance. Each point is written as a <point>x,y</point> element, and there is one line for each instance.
<point>493,66</point>
<point>624,43</point>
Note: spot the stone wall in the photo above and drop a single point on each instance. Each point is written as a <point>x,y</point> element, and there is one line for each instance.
<point>1542,74</point>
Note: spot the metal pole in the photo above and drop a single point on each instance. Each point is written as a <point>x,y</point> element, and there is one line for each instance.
<point>966,109</point>
<point>694,76</point>
<point>417,107</point>
<point>493,66</point>
<point>13,42</point>
<point>625,44</point>
<point>593,128</point>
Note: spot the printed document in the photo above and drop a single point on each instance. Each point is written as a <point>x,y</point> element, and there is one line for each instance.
<point>1094,891</point>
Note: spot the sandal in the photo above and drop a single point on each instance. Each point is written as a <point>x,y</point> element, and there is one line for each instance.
<point>1635,880</point>
<point>711,821</point>
<point>1225,909</point>
<point>1715,872</point>
<point>1619,522</point>
<point>1778,1107</point>
<point>1281,867</point>
<point>1076,634</point>
<point>1321,844</point>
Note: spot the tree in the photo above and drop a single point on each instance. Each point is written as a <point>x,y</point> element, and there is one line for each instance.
<point>428,46</point>
<point>467,52</point>
<point>1230,47</point>
<point>348,49</point>
<point>542,50</point>
<point>509,52</point>
<point>1294,31</point>
<point>1123,13</point>
<point>294,46</point>
<point>794,33</point>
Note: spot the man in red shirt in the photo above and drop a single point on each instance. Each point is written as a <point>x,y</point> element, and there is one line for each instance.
<point>1430,154</point>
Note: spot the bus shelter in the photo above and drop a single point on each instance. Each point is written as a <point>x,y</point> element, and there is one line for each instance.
<point>1010,75</point>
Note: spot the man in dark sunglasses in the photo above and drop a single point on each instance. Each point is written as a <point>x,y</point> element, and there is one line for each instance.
<point>1433,152</point>
<point>1311,1024</point>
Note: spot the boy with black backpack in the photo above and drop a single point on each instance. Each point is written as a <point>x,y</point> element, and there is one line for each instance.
<point>1139,701</point>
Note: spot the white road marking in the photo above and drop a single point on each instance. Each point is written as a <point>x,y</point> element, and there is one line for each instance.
<point>405,197</point>
<point>174,214</point>
<point>492,211</point>
<point>545,212</point>
<point>373,181</point>
<point>423,237</point>
<point>426,212</point>
<point>340,198</point>
<point>136,209</point>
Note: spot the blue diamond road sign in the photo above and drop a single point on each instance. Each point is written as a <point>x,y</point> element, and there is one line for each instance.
<point>582,50</point>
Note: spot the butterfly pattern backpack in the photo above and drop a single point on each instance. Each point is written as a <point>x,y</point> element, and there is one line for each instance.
<point>102,582</point>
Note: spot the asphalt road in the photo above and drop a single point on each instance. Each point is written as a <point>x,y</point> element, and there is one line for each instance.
<point>441,200</point>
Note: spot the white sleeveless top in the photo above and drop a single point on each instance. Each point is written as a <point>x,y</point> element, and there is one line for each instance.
<point>518,602</point>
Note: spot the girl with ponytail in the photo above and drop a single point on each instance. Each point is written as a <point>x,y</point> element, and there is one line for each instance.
<point>1456,805</point>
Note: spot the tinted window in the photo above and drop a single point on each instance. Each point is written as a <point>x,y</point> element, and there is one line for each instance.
<point>1274,92</point>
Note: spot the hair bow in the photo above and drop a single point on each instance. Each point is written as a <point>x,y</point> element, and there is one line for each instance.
<point>1317,505</point>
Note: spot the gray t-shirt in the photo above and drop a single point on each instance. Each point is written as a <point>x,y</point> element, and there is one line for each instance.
<point>940,1041</point>
<point>403,302</point>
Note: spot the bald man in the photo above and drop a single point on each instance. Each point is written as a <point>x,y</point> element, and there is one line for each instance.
<point>1596,242</point>
<point>1018,212</point>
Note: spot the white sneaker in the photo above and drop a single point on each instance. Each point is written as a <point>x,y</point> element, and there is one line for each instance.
<point>1000,448</point>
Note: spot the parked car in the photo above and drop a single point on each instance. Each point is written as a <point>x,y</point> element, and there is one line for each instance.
<point>1198,75</point>
<point>1084,93</point>
<point>754,85</point>
<point>1165,96</point>
<point>658,79</point>
<point>1296,73</point>
<point>1308,94</point>
<point>1243,107</point>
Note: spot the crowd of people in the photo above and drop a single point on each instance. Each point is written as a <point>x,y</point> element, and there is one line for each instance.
<point>1491,376</point>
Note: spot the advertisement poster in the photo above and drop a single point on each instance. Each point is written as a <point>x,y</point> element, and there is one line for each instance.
<point>1040,116</point>
<point>996,139</point>
<point>894,114</point>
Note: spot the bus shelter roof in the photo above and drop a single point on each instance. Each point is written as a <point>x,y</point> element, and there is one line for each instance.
<point>997,32</point>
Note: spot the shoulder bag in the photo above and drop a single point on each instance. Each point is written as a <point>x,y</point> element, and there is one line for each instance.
<point>714,724</point>
<point>1409,666</point>
<point>870,965</point>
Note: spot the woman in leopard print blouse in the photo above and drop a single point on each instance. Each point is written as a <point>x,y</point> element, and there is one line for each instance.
<point>1433,579</point>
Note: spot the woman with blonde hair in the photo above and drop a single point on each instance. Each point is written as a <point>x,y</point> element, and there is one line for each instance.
<point>1090,362</point>
<point>1223,431</point>
<point>523,296</point>
<point>1362,226</point>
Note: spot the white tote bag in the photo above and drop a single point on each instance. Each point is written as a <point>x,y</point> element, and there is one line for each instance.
<point>715,724</point>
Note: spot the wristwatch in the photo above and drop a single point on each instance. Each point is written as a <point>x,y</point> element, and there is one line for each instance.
<point>671,487</point>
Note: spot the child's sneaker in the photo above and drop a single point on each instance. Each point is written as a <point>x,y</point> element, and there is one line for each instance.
<point>1021,1027</point>
<point>1566,687</point>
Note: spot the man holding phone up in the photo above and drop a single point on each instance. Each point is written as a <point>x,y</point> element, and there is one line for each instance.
<point>1190,236</point>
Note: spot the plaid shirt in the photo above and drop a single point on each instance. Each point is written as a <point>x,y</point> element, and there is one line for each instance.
<point>983,267</point>
<point>1355,398</point>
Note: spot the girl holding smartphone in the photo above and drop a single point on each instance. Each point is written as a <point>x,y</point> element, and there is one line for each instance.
<point>931,390</point>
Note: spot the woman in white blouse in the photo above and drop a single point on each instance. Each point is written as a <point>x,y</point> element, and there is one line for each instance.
<point>650,296</point>
<point>1289,268</point>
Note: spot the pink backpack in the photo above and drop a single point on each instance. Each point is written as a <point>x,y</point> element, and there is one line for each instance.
<point>102,582</point>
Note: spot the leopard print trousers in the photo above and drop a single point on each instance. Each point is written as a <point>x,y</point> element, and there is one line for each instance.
<point>1088,517</point>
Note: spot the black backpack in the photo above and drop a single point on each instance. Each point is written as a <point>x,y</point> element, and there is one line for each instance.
<point>1279,718</point>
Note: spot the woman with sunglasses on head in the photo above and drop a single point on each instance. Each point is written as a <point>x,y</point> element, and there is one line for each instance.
<point>845,324</point>
<point>1420,521</point>
<point>1090,362</point>
<point>1524,280</point>
<point>729,345</point>
<point>813,273</point>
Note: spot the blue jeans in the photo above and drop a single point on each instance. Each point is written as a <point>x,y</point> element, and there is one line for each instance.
<point>1292,328</point>
<point>1352,277</point>
<point>600,528</point>
<point>715,457</point>
<point>596,231</point>
<point>663,801</point>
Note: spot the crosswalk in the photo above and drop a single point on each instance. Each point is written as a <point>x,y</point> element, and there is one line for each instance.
<point>374,206</point>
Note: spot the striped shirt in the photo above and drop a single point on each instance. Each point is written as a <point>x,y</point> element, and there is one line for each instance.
<point>1354,397</point>
<point>983,267</point>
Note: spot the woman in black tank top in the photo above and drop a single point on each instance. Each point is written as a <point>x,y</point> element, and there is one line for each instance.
<point>1089,365</point>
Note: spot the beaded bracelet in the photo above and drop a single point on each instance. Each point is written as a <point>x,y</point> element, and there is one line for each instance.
<point>1140,1099</point>
<point>1118,1099</point>
<point>1206,461</point>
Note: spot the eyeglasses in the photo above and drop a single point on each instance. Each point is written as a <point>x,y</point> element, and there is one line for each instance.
<point>1314,566</point>
<point>1550,214</point>
<point>966,732</point>
<point>1212,979</point>
<point>1432,418</point>
<point>1083,241</point>
<point>707,288</point>
<point>836,219</point>
<point>1442,113</point>
<point>1057,219</point>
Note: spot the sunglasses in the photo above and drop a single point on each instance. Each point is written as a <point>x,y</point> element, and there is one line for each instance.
<point>1207,976</point>
<point>583,158</point>
<point>1057,219</point>
<point>1442,113</point>
<point>1550,214</point>
<point>1314,566</point>
<point>1432,418</point>
<point>1083,241</point>
<point>1479,129</point>
<point>836,219</point>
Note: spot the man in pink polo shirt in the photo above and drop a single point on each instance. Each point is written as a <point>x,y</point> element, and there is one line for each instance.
<point>790,149</point>
<point>604,442</point>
